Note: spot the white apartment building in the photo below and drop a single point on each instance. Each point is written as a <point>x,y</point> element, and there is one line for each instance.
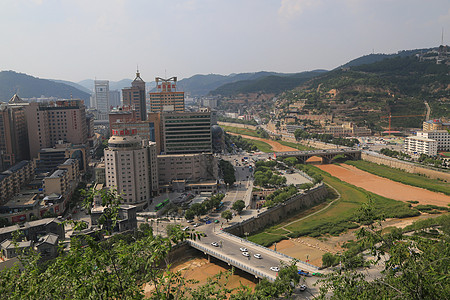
<point>420,145</point>
<point>441,136</point>
<point>131,167</point>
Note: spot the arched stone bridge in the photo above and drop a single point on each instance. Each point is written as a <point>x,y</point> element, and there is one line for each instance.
<point>326,155</point>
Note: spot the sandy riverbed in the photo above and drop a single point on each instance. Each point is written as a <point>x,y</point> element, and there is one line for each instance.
<point>198,268</point>
<point>385,187</point>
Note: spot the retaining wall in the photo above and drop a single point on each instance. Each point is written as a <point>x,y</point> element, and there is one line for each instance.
<point>405,166</point>
<point>277,213</point>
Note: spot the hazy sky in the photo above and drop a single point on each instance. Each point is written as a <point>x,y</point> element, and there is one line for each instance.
<point>80,39</point>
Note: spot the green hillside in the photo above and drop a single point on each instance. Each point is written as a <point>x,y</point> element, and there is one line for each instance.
<point>27,86</point>
<point>375,57</point>
<point>272,84</point>
<point>364,93</point>
<point>201,85</point>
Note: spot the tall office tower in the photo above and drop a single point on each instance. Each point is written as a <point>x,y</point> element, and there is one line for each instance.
<point>166,98</point>
<point>50,123</point>
<point>114,98</point>
<point>186,132</point>
<point>131,167</point>
<point>101,98</point>
<point>134,97</point>
<point>13,133</point>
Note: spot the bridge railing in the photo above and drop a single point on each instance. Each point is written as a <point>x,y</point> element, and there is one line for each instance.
<point>265,248</point>
<point>233,262</point>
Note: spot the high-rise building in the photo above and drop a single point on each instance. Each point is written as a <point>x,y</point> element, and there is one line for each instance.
<point>52,122</point>
<point>134,97</point>
<point>131,167</point>
<point>13,133</point>
<point>101,98</point>
<point>186,132</point>
<point>166,98</point>
<point>114,98</point>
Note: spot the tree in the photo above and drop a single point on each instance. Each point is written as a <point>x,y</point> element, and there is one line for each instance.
<point>238,206</point>
<point>227,171</point>
<point>189,214</point>
<point>227,215</point>
<point>329,259</point>
<point>415,266</point>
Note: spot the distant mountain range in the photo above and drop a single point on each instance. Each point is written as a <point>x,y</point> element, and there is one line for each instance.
<point>198,85</point>
<point>270,84</point>
<point>113,85</point>
<point>27,86</point>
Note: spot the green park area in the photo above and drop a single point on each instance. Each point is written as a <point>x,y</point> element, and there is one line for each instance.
<point>343,214</point>
<point>245,131</point>
<point>296,146</point>
<point>402,176</point>
<point>262,146</point>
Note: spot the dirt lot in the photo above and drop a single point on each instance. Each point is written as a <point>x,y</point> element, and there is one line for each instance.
<point>385,187</point>
<point>305,248</point>
<point>198,268</point>
<point>277,147</point>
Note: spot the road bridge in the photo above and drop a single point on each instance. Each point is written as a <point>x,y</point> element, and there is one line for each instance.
<point>228,251</point>
<point>326,155</point>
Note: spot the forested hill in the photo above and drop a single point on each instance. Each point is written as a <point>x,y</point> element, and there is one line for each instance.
<point>201,85</point>
<point>271,84</point>
<point>376,57</point>
<point>27,86</point>
<point>362,94</point>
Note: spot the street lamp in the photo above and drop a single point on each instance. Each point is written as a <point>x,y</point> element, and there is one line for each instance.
<point>246,236</point>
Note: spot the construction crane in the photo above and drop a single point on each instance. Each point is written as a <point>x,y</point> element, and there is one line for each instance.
<point>391,116</point>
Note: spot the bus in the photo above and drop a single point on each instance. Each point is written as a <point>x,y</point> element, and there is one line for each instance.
<point>218,208</point>
<point>162,204</point>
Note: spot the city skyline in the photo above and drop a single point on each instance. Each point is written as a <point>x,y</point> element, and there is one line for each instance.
<point>77,40</point>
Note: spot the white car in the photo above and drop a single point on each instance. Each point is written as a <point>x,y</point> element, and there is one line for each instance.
<point>196,224</point>
<point>257,255</point>
<point>185,228</point>
<point>246,254</point>
<point>215,244</point>
<point>243,249</point>
<point>275,269</point>
<point>302,288</point>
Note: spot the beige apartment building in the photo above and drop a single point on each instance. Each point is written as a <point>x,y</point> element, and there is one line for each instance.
<point>57,183</point>
<point>14,178</point>
<point>134,97</point>
<point>436,124</point>
<point>13,133</point>
<point>131,167</point>
<point>166,98</point>
<point>49,123</point>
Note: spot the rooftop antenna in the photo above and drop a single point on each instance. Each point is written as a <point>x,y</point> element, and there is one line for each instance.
<point>165,73</point>
<point>442,37</point>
